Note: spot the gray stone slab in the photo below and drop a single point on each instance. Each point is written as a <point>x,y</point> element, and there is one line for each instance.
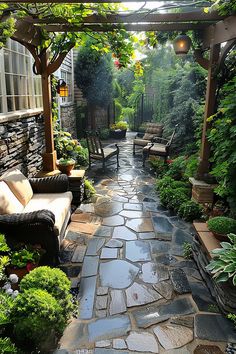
<point>140,294</point>
<point>119,343</point>
<point>180,281</point>
<point>150,206</point>
<point>215,328</point>
<point>165,259</point>
<point>119,198</point>
<point>101,302</point>
<point>165,289</point>
<point>108,208</point>
<point>109,328</point>
<point>74,336</point>
<point>142,342</point>
<point>124,272</point>
<point>202,296</point>
<point>79,253</point>
<point>137,251</point>
<point>103,231</point>
<point>158,313</point>
<point>172,337</point>
<point>90,266</point>
<point>115,220</point>
<point>95,244</point>
<point>117,304</point>
<point>153,273</point>
<point>86,297</point>
<point>103,344</point>
<point>102,290</point>
<point>110,351</point>
<point>123,233</point>
<point>162,227</point>
<point>178,240</point>
<point>132,214</point>
<point>101,313</point>
<point>140,225</point>
<point>146,235</point>
<point>186,321</point>
<point>133,206</point>
<point>109,253</point>
<point>113,243</point>
<point>158,247</point>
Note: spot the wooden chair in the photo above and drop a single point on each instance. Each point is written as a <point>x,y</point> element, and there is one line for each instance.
<point>153,130</point>
<point>159,147</point>
<point>97,152</point>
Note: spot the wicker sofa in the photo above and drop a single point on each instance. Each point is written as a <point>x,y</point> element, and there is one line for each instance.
<point>35,211</point>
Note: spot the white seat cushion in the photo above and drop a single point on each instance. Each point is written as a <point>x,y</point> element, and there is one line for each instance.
<point>9,204</point>
<point>57,203</point>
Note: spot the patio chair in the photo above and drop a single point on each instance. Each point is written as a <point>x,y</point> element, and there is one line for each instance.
<point>97,152</point>
<point>153,130</point>
<point>159,147</point>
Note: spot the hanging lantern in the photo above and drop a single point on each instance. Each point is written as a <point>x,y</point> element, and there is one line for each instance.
<point>62,88</point>
<point>182,44</point>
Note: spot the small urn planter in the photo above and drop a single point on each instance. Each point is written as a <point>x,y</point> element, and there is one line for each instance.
<point>65,166</point>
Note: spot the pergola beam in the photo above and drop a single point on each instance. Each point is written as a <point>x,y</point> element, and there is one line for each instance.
<point>139,17</point>
<point>144,27</point>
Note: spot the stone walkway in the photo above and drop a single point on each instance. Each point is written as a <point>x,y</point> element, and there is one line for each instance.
<point>138,294</point>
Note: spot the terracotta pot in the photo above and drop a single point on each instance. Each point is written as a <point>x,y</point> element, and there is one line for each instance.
<point>66,169</point>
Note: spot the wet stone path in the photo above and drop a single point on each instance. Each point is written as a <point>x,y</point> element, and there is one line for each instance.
<point>138,294</point>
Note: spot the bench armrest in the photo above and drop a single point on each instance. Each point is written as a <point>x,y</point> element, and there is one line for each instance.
<point>10,222</point>
<point>139,135</point>
<point>53,184</point>
<point>160,140</point>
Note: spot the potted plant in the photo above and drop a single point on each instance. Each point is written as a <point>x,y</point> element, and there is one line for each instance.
<point>118,130</point>
<point>65,165</point>
<point>23,261</point>
<point>221,226</point>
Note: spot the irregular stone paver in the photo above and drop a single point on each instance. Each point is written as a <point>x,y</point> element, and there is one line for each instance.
<point>214,328</point>
<point>165,289</point>
<point>201,296</point>
<point>108,328</point>
<point>132,214</point>
<point>207,349</point>
<point>85,208</point>
<point>154,273</point>
<point>74,336</point>
<point>90,266</point>
<point>119,343</point>
<point>178,240</point>
<point>162,227</point>
<point>101,313</point>
<point>186,321</point>
<point>142,342</point>
<point>124,272</point>
<point>172,337</point>
<point>165,259</point>
<point>109,351</point>
<point>137,251</point>
<point>180,281</point>
<point>86,297</point>
<point>159,247</point>
<point>146,235</point>
<point>102,290</point>
<point>158,313</point>
<point>79,254</point>
<point>109,253</point>
<point>140,225</point>
<point>82,227</point>
<point>115,220</point>
<point>103,231</point>
<point>123,233</point>
<point>103,344</point>
<point>140,294</point>
<point>114,244</point>
<point>108,208</point>
<point>119,198</point>
<point>130,206</point>
<point>117,304</point>
<point>101,302</point>
<point>95,244</point>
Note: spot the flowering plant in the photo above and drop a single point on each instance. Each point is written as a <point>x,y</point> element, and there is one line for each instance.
<point>119,126</point>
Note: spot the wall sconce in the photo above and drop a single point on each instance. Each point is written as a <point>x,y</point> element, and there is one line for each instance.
<point>62,88</point>
<point>182,44</point>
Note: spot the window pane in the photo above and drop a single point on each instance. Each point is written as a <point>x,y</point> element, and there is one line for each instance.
<point>6,60</point>
<point>10,105</point>
<point>8,84</point>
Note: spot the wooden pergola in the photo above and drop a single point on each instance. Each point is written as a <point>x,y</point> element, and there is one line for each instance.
<point>213,28</point>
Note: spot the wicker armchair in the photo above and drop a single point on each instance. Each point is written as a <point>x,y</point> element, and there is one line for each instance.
<point>37,227</point>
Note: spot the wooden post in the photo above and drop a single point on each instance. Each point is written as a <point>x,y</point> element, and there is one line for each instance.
<point>203,168</point>
<point>49,157</point>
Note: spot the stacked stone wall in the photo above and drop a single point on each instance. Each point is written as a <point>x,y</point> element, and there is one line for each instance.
<point>22,144</point>
<point>68,118</point>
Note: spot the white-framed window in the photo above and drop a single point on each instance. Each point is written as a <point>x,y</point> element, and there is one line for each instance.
<point>20,89</point>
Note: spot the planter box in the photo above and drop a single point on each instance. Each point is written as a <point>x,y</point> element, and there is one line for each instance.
<point>117,134</point>
<point>202,192</point>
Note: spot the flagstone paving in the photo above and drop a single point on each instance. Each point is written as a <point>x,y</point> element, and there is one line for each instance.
<point>137,293</point>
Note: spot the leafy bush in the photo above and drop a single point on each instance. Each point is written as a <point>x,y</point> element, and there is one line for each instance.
<point>222,225</point>
<point>54,281</point>
<point>4,261</point>
<point>6,346</point>
<point>89,189</point>
<point>21,258</point>
<point>191,167</point>
<point>190,210</point>
<point>223,266</point>
<point>36,314</point>
<point>159,166</point>
<point>104,134</point>
<point>6,303</point>
<point>119,125</point>
<point>188,252</point>
<point>3,244</point>
<point>176,198</point>
<point>164,183</point>
<point>177,168</point>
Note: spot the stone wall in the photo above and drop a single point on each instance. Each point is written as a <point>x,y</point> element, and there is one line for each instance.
<point>22,145</point>
<point>68,118</point>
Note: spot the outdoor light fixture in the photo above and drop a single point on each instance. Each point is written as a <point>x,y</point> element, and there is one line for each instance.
<point>62,88</point>
<point>182,44</point>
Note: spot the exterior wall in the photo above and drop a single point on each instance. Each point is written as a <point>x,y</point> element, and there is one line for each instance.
<point>68,118</point>
<point>22,144</point>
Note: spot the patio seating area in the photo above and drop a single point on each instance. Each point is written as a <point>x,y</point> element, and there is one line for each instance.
<point>137,292</point>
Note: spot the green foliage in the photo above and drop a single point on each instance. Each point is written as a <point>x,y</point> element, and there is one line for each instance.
<point>232,317</point>
<point>191,167</point>
<point>104,134</point>
<point>188,252</point>
<point>6,303</point>
<point>89,189</point>
<point>222,136</point>
<point>66,162</point>
<point>3,244</point>
<point>35,315</point>
<point>6,346</point>
<point>52,280</point>
<point>222,225</point>
<point>21,258</point>
<point>118,110</point>
<point>159,166</point>
<point>223,265</point>
<point>177,167</point>
<point>93,74</point>
<point>172,198</point>
<point>165,182</point>
<point>119,125</point>
<point>190,210</point>
<point>4,261</point>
